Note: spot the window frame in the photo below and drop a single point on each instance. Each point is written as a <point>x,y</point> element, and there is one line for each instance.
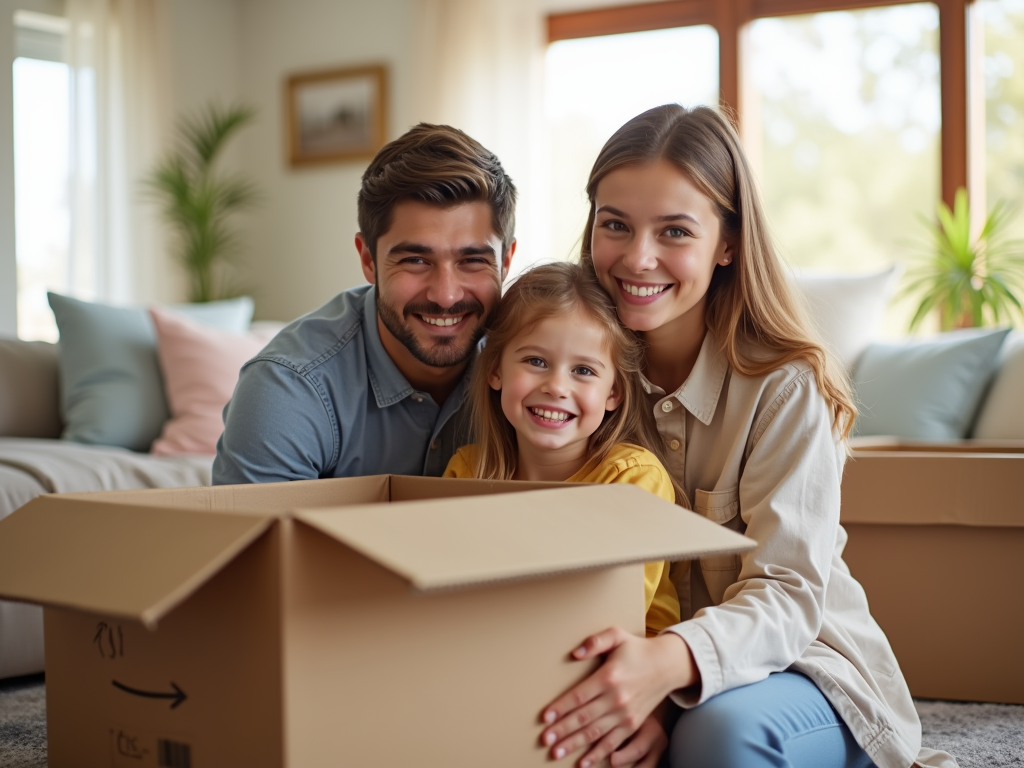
<point>731,18</point>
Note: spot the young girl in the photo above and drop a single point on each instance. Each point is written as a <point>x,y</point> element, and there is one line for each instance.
<point>556,396</point>
<point>777,661</point>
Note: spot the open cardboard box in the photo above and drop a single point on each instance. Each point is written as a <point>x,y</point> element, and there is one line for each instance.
<point>312,624</point>
<point>937,540</point>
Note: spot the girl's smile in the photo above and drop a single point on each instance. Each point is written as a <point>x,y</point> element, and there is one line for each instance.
<point>557,380</point>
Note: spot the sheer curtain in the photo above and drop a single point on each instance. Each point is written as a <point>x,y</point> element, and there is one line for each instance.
<point>120,114</point>
<point>479,67</point>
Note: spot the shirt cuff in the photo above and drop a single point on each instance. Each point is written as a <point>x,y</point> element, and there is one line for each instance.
<point>706,658</point>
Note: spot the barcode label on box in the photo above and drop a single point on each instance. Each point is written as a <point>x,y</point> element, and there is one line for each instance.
<point>133,748</point>
<point>173,754</point>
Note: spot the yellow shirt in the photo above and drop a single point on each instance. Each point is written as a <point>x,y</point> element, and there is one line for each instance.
<point>625,463</point>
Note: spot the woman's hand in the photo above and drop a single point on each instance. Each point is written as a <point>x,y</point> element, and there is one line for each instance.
<point>616,700</point>
<point>645,748</point>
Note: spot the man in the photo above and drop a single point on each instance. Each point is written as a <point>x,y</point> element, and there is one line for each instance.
<point>374,381</point>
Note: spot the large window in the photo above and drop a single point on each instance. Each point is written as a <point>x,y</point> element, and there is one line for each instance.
<point>849,120</point>
<point>42,145</point>
<point>595,84</point>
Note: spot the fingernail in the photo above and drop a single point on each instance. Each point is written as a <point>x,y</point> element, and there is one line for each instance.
<point>559,753</point>
<point>549,716</point>
<point>550,738</point>
<point>585,764</point>
<point>581,651</point>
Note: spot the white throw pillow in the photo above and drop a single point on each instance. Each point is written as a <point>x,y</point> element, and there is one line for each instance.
<point>1002,413</point>
<point>848,309</point>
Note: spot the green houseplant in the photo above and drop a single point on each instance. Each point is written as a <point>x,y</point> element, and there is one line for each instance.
<point>969,281</point>
<point>197,202</point>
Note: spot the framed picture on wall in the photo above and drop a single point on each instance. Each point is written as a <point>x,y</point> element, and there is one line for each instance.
<point>336,115</point>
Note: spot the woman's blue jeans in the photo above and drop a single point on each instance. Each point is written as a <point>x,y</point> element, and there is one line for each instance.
<point>781,722</point>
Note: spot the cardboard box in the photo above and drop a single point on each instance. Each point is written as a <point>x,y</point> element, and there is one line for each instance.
<point>937,539</point>
<point>310,624</point>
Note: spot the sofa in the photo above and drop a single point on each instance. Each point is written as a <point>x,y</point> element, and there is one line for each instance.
<point>130,399</point>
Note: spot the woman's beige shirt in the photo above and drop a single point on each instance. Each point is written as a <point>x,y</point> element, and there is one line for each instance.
<point>758,455</point>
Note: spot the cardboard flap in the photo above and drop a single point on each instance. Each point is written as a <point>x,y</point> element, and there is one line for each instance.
<point>119,560</point>
<point>456,542</point>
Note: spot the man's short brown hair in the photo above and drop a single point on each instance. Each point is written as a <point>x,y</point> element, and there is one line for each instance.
<point>439,165</point>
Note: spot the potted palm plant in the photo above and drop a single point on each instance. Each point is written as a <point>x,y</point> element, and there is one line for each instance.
<point>199,203</point>
<point>970,282</point>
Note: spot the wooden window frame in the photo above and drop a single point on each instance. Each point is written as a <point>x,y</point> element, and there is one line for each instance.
<point>730,19</point>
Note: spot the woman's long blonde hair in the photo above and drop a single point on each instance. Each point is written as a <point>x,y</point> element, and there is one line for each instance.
<point>751,299</point>
<point>558,290</point>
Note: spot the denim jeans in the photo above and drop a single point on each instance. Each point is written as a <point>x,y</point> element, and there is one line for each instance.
<point>783,721</point>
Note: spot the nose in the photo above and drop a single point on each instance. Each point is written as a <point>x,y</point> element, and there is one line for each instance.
<point>639,255</point>
<point>445,288</point>
<point>556,383</point>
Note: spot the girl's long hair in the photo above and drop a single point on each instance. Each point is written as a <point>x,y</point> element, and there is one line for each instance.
<point>750,300</point>
<point>566,291</point>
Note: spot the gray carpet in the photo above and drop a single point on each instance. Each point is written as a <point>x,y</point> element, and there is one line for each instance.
<point>978,735</point>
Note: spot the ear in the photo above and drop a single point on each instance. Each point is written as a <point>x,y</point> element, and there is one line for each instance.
<point>506,260</point>
<point>614,397</point>
<point>729,250</point>
<point>494,379</point>
<point>366,259</point>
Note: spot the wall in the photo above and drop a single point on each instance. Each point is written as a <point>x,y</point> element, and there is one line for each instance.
<point>299,245</point>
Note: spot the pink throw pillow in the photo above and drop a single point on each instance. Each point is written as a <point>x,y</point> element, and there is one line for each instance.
<point>200,368</point>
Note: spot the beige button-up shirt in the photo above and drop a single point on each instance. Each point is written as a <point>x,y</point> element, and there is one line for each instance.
<point>758,454</point>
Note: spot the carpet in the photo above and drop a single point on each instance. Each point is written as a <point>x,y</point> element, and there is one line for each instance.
<point>978,735</point>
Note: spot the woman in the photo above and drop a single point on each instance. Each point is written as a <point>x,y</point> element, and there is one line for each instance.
<point>777,661</point>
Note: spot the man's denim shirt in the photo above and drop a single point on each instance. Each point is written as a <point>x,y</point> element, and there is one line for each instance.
<point>324,399</point>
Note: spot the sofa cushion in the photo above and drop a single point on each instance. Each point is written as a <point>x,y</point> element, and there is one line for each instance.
<point>111,389</point>
<point>1002,413</point>
<point>925,389</point>
<point>848,309</point>
<point>28,389</point>
<point>200,367</point>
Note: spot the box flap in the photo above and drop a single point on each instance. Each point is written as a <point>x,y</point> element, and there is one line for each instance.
<point>136,562</point>
<point>457,542</point>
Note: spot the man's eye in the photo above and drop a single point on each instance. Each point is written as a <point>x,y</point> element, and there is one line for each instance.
<point>414,260</point>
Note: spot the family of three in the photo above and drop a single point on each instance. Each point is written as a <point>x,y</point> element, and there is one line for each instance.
<point>672,356</point>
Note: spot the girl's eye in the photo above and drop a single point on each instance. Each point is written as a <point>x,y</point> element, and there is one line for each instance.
<point>675,232</point>
<point>582,370</point>
<point>537,362</point>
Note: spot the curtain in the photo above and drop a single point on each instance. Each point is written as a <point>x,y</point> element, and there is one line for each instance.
<point>479,67</point>
<point>120,115</point>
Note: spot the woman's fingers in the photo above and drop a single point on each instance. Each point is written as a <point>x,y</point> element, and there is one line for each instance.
<point>601,730</point>
<point>645,748</point>
<point>599,644</point>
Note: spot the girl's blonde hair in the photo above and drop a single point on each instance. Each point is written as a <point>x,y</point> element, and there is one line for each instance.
<point>558,290</point>
<point>751,299</point>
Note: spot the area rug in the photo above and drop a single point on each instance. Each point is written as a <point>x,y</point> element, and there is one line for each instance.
<point>977,735</point>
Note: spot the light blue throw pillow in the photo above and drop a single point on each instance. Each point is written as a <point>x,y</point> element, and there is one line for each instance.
<point>927,389</point>
<point>111,390</point>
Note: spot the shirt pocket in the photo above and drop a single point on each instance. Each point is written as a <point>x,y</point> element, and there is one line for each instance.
<point>720,571</point>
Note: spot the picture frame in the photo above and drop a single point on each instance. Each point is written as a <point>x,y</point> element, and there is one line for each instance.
<point>336,115</point>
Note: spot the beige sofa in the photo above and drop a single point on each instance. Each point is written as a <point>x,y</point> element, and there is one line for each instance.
<point>33,461</point>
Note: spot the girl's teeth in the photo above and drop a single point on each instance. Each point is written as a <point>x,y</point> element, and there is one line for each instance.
<point>550,415</point>
<point>643,291</point>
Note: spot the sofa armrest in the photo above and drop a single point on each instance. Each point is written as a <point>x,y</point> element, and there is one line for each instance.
<point>29,404</point>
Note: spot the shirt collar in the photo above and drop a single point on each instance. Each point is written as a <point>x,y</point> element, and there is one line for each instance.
<point>700,392</point>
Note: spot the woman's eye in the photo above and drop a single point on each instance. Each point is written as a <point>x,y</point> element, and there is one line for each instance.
<point>614,225</point>
<point>675,232</point>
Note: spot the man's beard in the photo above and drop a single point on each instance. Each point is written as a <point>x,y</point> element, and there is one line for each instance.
<point>445,352</point>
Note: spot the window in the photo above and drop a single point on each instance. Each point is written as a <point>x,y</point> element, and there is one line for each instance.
<point>595,84</point>
<point>1003,82</point>
<point>42,145</point>
<point>849,123</point>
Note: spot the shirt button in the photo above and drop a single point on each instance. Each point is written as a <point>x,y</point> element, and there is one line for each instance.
<point>674,445</point>
<point>418,398</point>
<point>433,445</point>
<point>666,406</point>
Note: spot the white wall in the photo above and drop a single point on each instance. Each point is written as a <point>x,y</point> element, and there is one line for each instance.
<point>299,245</point>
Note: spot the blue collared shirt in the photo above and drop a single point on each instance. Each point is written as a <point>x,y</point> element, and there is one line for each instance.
<point>324,399</point>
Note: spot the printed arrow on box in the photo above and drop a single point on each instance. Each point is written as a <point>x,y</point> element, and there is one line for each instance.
<point>178,695</point>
